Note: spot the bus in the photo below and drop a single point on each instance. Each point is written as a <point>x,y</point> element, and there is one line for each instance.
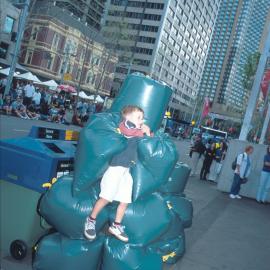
<point>210,133</point>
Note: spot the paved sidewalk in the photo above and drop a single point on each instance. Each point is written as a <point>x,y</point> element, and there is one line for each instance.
<point>226,234</point>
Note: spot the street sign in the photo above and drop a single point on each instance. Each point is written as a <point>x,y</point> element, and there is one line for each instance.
<point>67,77</point>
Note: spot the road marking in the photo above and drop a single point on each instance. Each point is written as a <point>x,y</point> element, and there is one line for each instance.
<point>21,130</point>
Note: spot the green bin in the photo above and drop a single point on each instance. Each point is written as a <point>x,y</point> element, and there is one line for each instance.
<point>20,223</point>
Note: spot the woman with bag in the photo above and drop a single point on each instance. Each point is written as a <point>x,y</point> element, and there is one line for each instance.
<point>241,172</point>
<point>264,185</point>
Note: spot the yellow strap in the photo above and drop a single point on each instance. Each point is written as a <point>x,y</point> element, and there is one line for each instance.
<point>166,257</point>
<point>47,185</point>
<point>169,205</point>
<point>54,180</point>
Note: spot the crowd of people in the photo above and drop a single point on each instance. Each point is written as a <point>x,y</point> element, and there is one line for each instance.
<point>27,101</point>
<point>212,153</point>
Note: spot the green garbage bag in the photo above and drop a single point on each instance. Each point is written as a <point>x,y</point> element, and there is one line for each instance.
<point>171,245</point>
<point>175,228</point>
<point>67,213</point>
<point>156,158</point>
<point>182,206</point>
<point>122,256</point>
<point>152,96</point>
<point>178,179</point>
<point>145,220</point>
<point>99,141</point>
<point>170,250</point>
<point>57,252</point>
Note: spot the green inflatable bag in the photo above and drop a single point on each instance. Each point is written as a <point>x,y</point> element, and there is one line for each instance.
<point>99,141</point>
<point>145,220</point>
<point>56,252</point>
<point>152,96</point>
<point>171,245</point>
<point>121,256</point>
<point>156,158</point>
<point>175,229</point>
<point>182,207</point>
<point>178,179</point>
<point>170,250</point>
<point>67,213</point>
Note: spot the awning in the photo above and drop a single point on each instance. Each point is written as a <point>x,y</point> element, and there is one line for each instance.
<point>28,76</point>
<point>5,71</point>
<point>52,84</point>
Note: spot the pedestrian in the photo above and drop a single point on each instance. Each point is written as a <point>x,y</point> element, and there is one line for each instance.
<point>208,159</point>
<point>116,184</point>
<point>37,97</point>
<point>241,172</point>
<point>264,185</point>
<point>29,91</point>
<point>197,151</point>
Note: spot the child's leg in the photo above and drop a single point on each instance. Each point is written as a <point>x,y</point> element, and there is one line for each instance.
<point>116,228</point>
<point>100,204</point>
<point>90,223</point>
<point>121,209</point>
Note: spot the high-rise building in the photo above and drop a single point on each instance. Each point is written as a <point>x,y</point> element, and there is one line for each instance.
<point>88,11</point>
<point>9,18</point>
<point>167,40</point>
<point>237,35</point>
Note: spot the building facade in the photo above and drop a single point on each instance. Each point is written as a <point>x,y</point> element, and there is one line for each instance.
<point>58,46</point>
<point>167,40</point>
<point>9,18</point>
<point>88,11</point>
<point>237,35</point>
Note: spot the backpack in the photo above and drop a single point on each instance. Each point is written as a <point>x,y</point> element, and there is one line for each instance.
<point>234,163</point>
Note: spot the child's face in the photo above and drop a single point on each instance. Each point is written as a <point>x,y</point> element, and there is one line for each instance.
<point>136,118</point>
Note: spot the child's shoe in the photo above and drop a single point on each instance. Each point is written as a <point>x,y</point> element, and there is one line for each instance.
<point>90,228</point>
<point>118,231</point>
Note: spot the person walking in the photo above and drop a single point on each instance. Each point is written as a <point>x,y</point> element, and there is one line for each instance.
<point>264,185</point>
<point>208,159</point>
<point>197,151</point>
<point>241,172</point>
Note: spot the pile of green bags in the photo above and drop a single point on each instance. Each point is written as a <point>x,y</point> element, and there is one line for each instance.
<point>158,214</point>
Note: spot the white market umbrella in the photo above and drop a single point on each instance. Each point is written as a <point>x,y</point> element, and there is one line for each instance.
<point>52,84</point>
<point>29,77</point>
<point>99,99</point>
<point>83,95</point>
<point>5,71</point>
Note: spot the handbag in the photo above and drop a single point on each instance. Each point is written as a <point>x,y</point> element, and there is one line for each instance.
<point>244,180</point>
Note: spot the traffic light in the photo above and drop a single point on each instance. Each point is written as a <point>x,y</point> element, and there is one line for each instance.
<point>193,123</point>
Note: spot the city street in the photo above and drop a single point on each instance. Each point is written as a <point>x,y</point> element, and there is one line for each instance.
<point>226,234</point>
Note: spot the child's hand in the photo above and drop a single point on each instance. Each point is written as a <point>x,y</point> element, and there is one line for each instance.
<point>146,130</point>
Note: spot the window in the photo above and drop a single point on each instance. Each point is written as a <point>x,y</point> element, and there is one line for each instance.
<point>34,33</point>
<point>49,62</point>
<point>8,25</point>
<point>56,39</point>
<point>29,58</point>
<point>90,77</point>
<point>78,75</point>
<point>3,50</point>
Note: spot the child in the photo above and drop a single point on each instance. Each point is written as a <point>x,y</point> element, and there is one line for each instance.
<point>116,184</point>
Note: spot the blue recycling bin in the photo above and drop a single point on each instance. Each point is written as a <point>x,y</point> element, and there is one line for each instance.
<point>31,161</point>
